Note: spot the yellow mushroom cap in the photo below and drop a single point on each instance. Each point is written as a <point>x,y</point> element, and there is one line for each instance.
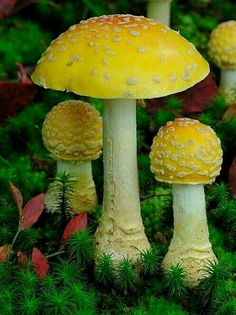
<point>222,45</point>
<point>120,56</point>
<point>186,151</point>
<point>72,131</point>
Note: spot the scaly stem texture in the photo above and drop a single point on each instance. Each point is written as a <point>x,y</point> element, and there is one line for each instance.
<point>121,231</point>
<point>190,244</point>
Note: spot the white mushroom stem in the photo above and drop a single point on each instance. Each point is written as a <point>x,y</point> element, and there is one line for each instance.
<point>80,191</point>
<point>120,231</point>
<point>159,10</point>
<point>190,245</point>
<point>227,86</point>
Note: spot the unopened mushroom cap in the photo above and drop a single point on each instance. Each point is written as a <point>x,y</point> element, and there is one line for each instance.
<point>72,130</point>
<point>120,56</point>
<point>186,151</point>
<point>222,45</point>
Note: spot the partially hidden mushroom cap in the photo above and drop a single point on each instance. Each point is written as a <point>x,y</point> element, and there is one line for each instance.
<point>186,151</point>
<point>72,131</point>
<point>222,45</point>
<point>120,56</point>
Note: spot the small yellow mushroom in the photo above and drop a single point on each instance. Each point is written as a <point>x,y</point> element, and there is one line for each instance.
<point>72,132</point>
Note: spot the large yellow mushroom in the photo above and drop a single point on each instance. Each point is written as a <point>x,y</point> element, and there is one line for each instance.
<point>187,154</point>
<point>120,58</point>
<point>72,132</point>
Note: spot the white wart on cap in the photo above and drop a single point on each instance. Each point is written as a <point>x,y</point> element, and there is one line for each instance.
<point>120,56</point>
<point>185,151</point>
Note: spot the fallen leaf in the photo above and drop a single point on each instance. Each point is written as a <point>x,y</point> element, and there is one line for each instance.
<point>6,7</point>
<point>199,97</point>
<point>4,251</point>
<point>16,95</point>
<point>194,100</point>
<point>40,263</point>
<point>78,223</point>
<point>31,212</point>
<point>17,196</point>
<point>22,258</point>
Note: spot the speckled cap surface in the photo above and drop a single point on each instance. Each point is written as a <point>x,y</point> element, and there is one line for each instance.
<point>222,45</point>
<point>72,131</point>
<point>186,151</point>
<point>120,56</point>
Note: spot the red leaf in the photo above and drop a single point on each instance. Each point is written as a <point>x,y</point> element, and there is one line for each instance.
<point>16,95</point>
<point>17,197</point>
<point>6,7</point>
<point>22,258</point>
<point>194,100</point>
<point>4,251</point>
<point>31,212</point>
<point>199,97</point>
<point>78,223</point>
<point>232,178</point>
<point>40,263</point>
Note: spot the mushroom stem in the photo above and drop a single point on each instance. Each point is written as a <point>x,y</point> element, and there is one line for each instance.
<point>190,245</point>
<point>159,10</point>
<point>227,86</point>
<point>121,231</point>
<point>80,190</point>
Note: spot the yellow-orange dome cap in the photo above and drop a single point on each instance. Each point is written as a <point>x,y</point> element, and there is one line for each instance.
<point>72,130</point>
<point>120,56</point>
<point>186,151</point>
<point>222,45</point>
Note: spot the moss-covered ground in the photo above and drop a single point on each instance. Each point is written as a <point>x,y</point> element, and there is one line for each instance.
<point>73,284</point>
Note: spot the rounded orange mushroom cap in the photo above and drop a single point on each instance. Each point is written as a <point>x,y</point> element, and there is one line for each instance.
<point>120,56</point>
<point>72,131</point>
<point>222,45</point>
<point>186,151</point>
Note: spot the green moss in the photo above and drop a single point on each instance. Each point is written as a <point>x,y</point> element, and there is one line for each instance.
<point>126,276</point>
<point>25,48</point>
<point>84,300</point>
<point>104,270</point>
<point>29,304</point>
<point>146,178</point>
<point>175,282</point>
<point>227,308</point>
<point>57,302</point>
<point>159,306</point>
<point>67,272</point>
<point>80,247</point>
<point>7,301</point>
<point>155,210</point>
<point>75,285</point>
<point>150,262</point>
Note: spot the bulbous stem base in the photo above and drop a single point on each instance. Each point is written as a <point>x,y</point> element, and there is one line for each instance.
<point>190,245</point>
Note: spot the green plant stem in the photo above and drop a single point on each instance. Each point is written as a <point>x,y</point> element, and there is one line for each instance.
<point>155,195</point>
<point>15,237</point>
<point>13,242</point>
<point>56,253</point>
